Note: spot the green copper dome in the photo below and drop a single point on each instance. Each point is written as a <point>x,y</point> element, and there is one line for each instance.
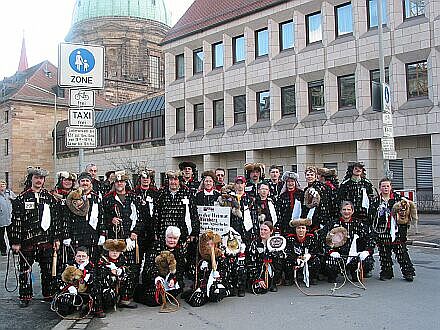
<point>146,9</point>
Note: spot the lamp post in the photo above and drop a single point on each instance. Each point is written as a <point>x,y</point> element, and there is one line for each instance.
<point>54,125</point>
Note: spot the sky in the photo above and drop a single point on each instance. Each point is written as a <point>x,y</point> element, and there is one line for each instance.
<point>45,24</point>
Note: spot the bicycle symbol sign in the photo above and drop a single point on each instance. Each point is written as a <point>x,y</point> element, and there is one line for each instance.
<point>81,61</point>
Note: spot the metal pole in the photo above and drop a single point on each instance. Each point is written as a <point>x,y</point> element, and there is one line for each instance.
<point>55,139</point>
<point>386,163</point>
<point>81,160</point>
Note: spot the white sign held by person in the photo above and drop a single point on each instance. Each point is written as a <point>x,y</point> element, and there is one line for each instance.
<point>215,218</point>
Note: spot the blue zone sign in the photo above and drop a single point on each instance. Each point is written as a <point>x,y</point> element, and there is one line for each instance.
<point>81,66</point>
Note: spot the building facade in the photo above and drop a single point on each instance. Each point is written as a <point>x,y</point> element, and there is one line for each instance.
<point>130,32</point>
<point>290,83</point>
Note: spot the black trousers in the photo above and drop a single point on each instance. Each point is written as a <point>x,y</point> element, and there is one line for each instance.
<point>3,246</point>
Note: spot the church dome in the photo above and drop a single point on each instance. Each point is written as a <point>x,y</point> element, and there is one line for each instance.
<point>144,9</point>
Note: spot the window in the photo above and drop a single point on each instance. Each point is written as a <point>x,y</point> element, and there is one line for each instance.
<point>288,105</point>
<point>424,178</point>
<point>239,109</point>
<point>232,173</point>
<point>6,116</point>
<point>238,49</point>
<point>154,71</point>
<point>198,116</point>
<point>417,80</point>
<point>217,55</point>
<point>396,166</point>
<point>218,115</point>
<point>180,120</point>
<point>7,178</point>
<point>261,42</point>
<point>376,94</point>
<point>198,61</point>
<point>413,8</point>
<point>331,165</point>
<point>286,35</point>
<point>147,129</point>
<point>314,29</point>
<point>157,127</point>
<point>344,19</point>
<point>180,66</point>
<point>263,105</point>
<point>138,130</point>
<point>128,132</point>
<point>294,168</point>
<point>346,92</point>
<point>316,95</point>
<point>372,13</point>
<point>6,147</point>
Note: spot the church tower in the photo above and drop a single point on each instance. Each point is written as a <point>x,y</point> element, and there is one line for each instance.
<point>130,32</point>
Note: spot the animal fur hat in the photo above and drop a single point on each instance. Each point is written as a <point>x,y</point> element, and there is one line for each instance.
<point>405,211</point>
<point>300,222</point>
<point>182,165</point>
<point>336,237</point>
<point>227,198</point>
<point>311,201</point>
<point>327,172</point>
<point>67,175</point>
<point>147,173</point>
<point>117,245</point>
<point>121,176</point>
<point>81,210</point>
<point>173,174</point>
<point>37,171</point>
<point>166,263</point>
<point>204,248</point>
<point>250,167</point>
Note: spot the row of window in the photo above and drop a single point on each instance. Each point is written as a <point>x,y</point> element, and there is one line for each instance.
<point>417,87</point>
<point>343,26</point>
<point>137,131</point>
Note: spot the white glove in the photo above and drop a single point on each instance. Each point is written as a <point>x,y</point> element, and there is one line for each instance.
<point>112,266</point>
<point>300,262</point>
<point>204,265</point>
<point>335,255</point>
<point>119,271</point>
<point>363,255</point>
<point>72,290</point>
<point>158,279</point>
<point>67,241</point>
<point>130,244</point>
<point>307,257</point>
<point>101,240</point>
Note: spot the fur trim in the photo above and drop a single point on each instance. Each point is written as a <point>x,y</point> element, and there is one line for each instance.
<point>166,263</point>
<point>117,245</point>
<point>210,173</point>
<point>249,167</point>
<point>290,175</point>
<point>173,174</point>
<point>228,199</point>
<point>121,176</point>
<point>147,173</point>
<point>300,222</point>
<point>204,249</point>
<point>336,237</point>
<point>67,175</point>
<point>405,211</point>
<point>182,165</point>
<point>327,172</point>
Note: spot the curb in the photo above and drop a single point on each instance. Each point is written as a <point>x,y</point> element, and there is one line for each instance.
<point>423,244</point>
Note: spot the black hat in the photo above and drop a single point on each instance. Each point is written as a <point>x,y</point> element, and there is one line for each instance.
<point>85,175</point>
<point>182,165</point>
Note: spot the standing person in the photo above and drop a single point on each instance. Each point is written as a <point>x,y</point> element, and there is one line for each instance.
<point>391,222</point>
<point>329,178</point>
<point>92,169</point>
<point>176,207</point>
<point>220,178</point>
<point>146,196</point>
<point>289,203</point>
<point>275,182</point>
<point>189,176</point>
<point>243,224</point>
<point>122,221</point>
<point>348,241</point>
<point>6,198</point>
<point>254,173</point>
<point>357,189</point>
<point>107,185</point>
<point>208,195</point>
<point>317,196</point>
<point>33,232</point>
<point>83,219</point>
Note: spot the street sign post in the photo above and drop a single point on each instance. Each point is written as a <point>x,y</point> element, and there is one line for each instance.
<point>82,98</point>
<point>80,66</point>
<point>82,117</point>
<point>81,137</point>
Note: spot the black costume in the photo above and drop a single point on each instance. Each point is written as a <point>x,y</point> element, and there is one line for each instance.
<point>285,206</point>
<point>352,190</point>
<point>323,211</point>
<point>28,211</point>
<point>382,224</point>
<point>275,188</point>
<point>365,242</point>
<point>146,200</point>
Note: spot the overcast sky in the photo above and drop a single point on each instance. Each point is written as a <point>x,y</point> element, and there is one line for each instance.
<point>44,23</point>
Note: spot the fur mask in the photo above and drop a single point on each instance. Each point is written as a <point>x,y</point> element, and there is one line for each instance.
<point>204,248</point>
<point>228,199</point>
<point>405,211</point>
<point>166,263</point>
<point>73,276</point>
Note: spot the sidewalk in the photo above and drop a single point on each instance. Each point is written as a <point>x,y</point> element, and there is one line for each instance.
<point>427,233</point>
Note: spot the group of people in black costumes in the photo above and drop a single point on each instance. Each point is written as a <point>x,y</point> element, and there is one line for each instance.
<point>103,244</point>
